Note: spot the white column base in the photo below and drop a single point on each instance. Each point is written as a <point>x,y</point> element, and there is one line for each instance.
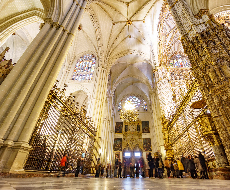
<point>13,157</point>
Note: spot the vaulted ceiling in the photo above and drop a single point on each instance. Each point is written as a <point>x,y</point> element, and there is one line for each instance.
<point>123,35</point>
<point>114,29</point>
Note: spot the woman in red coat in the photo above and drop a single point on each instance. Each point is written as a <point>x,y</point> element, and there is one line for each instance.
<point>63,164</point>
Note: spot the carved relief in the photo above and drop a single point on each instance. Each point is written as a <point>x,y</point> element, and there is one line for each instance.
<point>5,65</point>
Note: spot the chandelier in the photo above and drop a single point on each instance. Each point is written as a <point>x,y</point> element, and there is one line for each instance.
<point>129,113</point>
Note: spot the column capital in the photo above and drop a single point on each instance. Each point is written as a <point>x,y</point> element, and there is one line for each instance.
<point>23,146</point>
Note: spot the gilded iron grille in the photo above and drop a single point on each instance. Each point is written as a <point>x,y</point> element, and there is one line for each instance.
<point>62,128</point>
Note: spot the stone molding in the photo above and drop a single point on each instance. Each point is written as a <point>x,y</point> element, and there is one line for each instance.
<point>11,24</point>
<point>12,19</point>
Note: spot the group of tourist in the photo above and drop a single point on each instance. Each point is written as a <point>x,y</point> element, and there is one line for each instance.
<point>194,167</point>
<point>175,168</point>
<point>133,167</point>
<point>130,167</point>
<point>154,167</point>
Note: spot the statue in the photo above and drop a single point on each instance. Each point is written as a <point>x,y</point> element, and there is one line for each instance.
<point>2,55</point>
<point>165,132</point>
<point>5,65</point>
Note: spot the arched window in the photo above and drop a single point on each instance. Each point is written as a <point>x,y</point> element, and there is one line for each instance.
<point>178,61</point>
<point>84,68</point>
<point>135,101</point>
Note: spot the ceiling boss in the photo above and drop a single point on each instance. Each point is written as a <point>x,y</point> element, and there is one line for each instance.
<point>129,20</point>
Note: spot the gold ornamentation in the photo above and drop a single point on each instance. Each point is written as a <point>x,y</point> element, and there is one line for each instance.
<point>129,115</point>
<point>129,22</point>
<point>5,66</point>
<point>199,104</point>
<point>207,46</point>
<point>176,1</point>
<point>209,56</point>
<point>62,127</point>
<point>132,138</point>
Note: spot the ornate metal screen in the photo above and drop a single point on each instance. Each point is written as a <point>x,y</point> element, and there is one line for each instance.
<point>186,133</point>
<point>61,128</point>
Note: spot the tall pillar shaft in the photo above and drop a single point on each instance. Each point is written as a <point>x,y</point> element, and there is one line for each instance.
<point>24,91</point>
<point>207,45</point>
<point>98,101</point>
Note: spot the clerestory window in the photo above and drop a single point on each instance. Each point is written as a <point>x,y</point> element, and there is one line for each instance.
<point>84,68</point>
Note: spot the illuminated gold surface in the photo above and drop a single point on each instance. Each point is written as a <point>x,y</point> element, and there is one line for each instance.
<point>62,128</point>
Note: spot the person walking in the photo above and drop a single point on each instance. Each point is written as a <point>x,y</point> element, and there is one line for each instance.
<point>63,165</point>
<point>132,165</point>
<point>192,167</point>
<point>116,168</point>
<point>97,168</point>
<point>181,168</point>
<point>167,166</point>
<point>172,167</point>
<point>107,171</point>
<point>184,161</point>
<point>119,168</point>
<point>102,170</point>
<point>125,167</point>
<point>176,169</point>
<point>156,164</point>
<point>78,167</point>
<point>137,169</point>
<point>151,164</point>
<point>160,169</point>
<point>198,166</point>
<point>204,173</point>
<point>141,162</point>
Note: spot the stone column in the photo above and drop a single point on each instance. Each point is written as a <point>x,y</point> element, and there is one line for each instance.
<point>24,91</point>
<point>207,45</point>
<point>98,101</point>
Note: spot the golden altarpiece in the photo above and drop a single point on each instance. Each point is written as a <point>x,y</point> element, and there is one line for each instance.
<point>131,138</point>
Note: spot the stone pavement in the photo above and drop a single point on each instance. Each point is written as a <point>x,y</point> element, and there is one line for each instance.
<point>71,183</point>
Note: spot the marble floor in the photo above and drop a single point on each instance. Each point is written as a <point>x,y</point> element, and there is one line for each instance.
<point>68,183</point>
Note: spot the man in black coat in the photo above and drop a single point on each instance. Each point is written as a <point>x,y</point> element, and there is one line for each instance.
<point>78,167</point>
<point>192,167</point>
<point>203,164</point>
<point>156,163</point>
<point>119,168</point>
<point>151,164</point>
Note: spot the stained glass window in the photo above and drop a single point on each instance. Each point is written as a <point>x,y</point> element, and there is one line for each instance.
<point>179,61</point>
<point>84,68</point>
<point>136,101</point>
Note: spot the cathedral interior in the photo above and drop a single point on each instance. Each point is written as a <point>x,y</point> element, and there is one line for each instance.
<point>109,79</point>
